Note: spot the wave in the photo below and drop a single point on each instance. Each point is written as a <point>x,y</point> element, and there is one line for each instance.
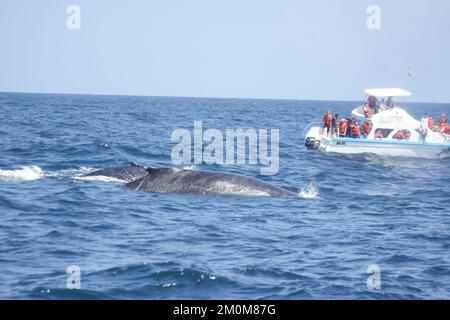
<point>26,173</point>
<point>309,192</point>
<point>135,281</point>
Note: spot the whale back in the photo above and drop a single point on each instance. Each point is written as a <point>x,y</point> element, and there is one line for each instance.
<point>171,180</point>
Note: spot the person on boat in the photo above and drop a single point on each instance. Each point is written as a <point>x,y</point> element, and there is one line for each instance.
<point>367,110</point>
<point>399,135</point>
<point>335,126</point>
<point>389,103</point>
<point>442,122</point>
<point>327,122</point>
<point>374,104</point>
<point>447,129</point>
<point>430,122</point>
<point>367,128</point>
<point>424,127</point>
<point>406,134</point>
<point>343,127</point>
<point>349,126</point>
<point>356,132</point>
<point>402,135</point>
<point>379,134</point>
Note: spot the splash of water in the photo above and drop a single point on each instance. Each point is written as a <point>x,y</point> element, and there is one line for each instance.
<point>309,192</point>
<point>26,173</point>
<point>80,174</point>
<point>30,173</point>
<point>70,172</point>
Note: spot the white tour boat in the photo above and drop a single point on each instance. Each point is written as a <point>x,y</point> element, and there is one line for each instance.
<point>394,132</point>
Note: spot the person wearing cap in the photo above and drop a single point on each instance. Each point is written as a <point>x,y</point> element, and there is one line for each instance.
<point>343,128</point>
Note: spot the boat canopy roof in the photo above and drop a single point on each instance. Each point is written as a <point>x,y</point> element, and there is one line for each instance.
<point>388,92</point>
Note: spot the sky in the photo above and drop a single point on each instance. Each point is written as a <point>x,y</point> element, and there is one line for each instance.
<point>274,49</point>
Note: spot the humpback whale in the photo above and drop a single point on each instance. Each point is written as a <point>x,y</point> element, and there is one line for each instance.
<point>131,173</point>
<point>170,180</point>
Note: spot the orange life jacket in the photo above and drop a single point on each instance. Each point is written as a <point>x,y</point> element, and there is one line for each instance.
<point>430,123</point>
<point>366,129</point>
<point>443,122</point>
<point>447,129</point>
<point>356,131</point>
<point>343,128</point>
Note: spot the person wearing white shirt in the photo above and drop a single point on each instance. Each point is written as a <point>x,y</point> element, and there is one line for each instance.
<point>424,127</point>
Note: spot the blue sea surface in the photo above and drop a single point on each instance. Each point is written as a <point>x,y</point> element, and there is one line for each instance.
<point>366,210</point>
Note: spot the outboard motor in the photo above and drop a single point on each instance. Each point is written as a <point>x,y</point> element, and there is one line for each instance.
<point>312,143</point>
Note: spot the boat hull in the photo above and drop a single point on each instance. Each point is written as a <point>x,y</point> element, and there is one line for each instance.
<point>379,147</point>
<point>386,149</point>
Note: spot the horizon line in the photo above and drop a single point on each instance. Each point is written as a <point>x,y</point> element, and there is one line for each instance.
<point>203,97</point>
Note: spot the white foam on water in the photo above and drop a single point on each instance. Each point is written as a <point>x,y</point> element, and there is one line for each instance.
<point>80,174</point>
<point>192,167</point>
<point>30,173</point>
<point>70,172</point>
<point>309,192</point>
<point>375,193</point>
<point>26,173</point>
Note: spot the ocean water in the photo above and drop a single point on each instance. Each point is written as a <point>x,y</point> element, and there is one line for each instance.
<point>351,213</point>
